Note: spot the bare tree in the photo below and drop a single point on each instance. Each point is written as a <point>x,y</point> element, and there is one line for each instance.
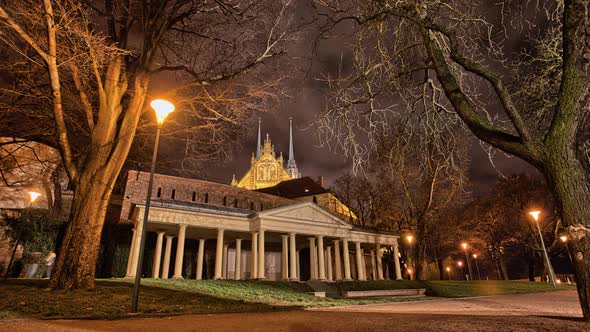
<point>92,63</point>
<point>463,50</point>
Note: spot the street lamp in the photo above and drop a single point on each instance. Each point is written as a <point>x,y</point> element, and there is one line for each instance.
<point>535,215</point>
<point>411,255</point>
<point>33,195</point>
<point>476,266</point>
<point>162,109</point>
<point>460,263</point>
<point>410,273</point>
<point>563,239</point>
<point>464,245</point>
<point>449,272</point>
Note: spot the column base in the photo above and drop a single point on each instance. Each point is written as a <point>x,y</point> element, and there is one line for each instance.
<point>263,278</point>
<point>347,279</point>
<point>129,277</point>
<point>293,279</point>
<point>177,277</point>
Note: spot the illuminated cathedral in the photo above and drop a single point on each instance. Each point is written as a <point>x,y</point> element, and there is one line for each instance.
<point>266,169</point>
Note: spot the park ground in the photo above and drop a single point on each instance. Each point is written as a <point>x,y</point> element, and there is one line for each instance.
<point>242,305</point>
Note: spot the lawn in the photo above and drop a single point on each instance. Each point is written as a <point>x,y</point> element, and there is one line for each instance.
<point>111,298</point>
<point>444,288</point>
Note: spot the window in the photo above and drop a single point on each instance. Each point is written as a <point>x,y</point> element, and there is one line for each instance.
<point>261,207</point>
<point>173,195</point>
<point>194,198</point>
<point>315,199</point>
<point>236,203</point>
<point>206,198</point>
<point>159,192</point>
<point>224,200</point>
<point>252,206</point>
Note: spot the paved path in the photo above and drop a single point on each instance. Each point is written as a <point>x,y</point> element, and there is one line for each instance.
<point>556,311</point>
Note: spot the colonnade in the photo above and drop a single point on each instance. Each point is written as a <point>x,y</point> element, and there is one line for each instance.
<point>327,262</point>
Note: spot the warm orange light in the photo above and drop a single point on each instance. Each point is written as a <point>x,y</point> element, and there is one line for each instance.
<point>409,238</point>
<point>558,281</point>
<point>410,271</point>
<point>464,245</point>
<point>563,238</point>
<point>535,215</point>
<point>460,264</point>
<point>33,195</point>
<point>163,108</point>
<point>448,269</point>
<point>475,256</point>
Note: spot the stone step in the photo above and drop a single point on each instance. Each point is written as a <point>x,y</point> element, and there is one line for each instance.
<point>385,293</point>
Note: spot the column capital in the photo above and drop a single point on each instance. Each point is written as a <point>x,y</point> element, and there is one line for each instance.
<point>161,232</point>
<point>320,236</point>
<point>284,235</point>
<point>238,240</point>
<point>182,226</point>
<point>169,236</point>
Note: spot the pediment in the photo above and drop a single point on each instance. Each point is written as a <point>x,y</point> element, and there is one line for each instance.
<point>304,212</point>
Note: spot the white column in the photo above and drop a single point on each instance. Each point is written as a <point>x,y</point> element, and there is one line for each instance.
<point>157,256</point>
<point>218,254</point>
<point>254,258</point>
<point>364,264</point>
<point>398,271</point>
<point>312,254</point>
<point>297,263</point>
<point>373,265</point>
<point>130,256</point>
<point>135,253</point>
<point>179,252</point>
<point>224,262</point>
<point>379,261</point>
<point>200,255</point>
<point>321,258</point>
<point>359,261</point>
<point>285,258</point>
<point>293,255</point>
<point>261,254</point>
<point>238,267</point>
<point>337,264</point>
<point>329,262</point>
<point>167,253</point>
<point>346,256</point>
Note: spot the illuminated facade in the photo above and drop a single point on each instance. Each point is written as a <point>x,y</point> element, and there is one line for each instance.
<point>266,170</point>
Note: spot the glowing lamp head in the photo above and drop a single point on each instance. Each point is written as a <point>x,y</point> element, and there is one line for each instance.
<point>464,245</point>
<point>410,238</point>
<point>475,256</point>
<point>33,195</point>
<point>535,215</point>
<point>410,271</point>
<point>460,264</point>
<point>563,238</point>
<point>162,108</point>
<point>448,269</point>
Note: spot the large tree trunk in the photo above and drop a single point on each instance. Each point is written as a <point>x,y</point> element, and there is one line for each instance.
<point>571,191</point>
<point>419,255</point>
<point>76,264</point>
<point>503,267</point>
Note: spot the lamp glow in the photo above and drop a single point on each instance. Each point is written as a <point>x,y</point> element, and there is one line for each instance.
<point>409,238</point>
<point>460,263</point>
<point>33,195</point>
<point>563,238</point>
<point>163,108</point>
<point>448,269</point>
<point>535,215</point>
<point>475,256</point>
<point>464,245</point>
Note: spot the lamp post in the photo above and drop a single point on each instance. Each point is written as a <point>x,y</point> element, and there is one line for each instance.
<point>411,255</point>
<point>33,195</point>
<point>563,239</point>
<point>476,266</point>
<point>162,108</point>
<point>535,215</point>
<point>464,245</point>
<point>449,272</point>
<point>460,263</point>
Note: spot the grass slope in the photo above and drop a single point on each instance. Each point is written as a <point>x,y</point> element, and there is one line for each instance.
<point>444,288</point>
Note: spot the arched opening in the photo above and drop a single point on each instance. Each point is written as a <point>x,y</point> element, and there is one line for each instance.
<point>159,192</point>
<point>194,198</point>
<point>173,194</point>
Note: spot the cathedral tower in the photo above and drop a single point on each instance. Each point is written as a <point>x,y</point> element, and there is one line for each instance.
<point>291,165</point>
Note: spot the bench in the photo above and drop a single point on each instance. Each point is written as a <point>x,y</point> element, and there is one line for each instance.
<point>385,293</point>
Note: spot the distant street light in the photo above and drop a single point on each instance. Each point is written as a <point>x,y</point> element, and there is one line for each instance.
<point>410,273</point>
<point>563,239</point>
<point>449,272</point>
<point>464,245</point>
<point>477,266</point>
<point>33,195</point>
<point>411,255</point>
<point>162,108</point>
<point>535,215</point>
<point>460,263</point>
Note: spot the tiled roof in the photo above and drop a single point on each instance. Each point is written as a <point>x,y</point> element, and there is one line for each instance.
<point>301,187</point>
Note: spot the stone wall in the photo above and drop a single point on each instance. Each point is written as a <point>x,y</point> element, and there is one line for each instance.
<point>193,190</point>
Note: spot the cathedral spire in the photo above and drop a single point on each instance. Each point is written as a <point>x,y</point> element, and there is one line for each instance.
<point>258,145</point>
<point>291,165</point>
